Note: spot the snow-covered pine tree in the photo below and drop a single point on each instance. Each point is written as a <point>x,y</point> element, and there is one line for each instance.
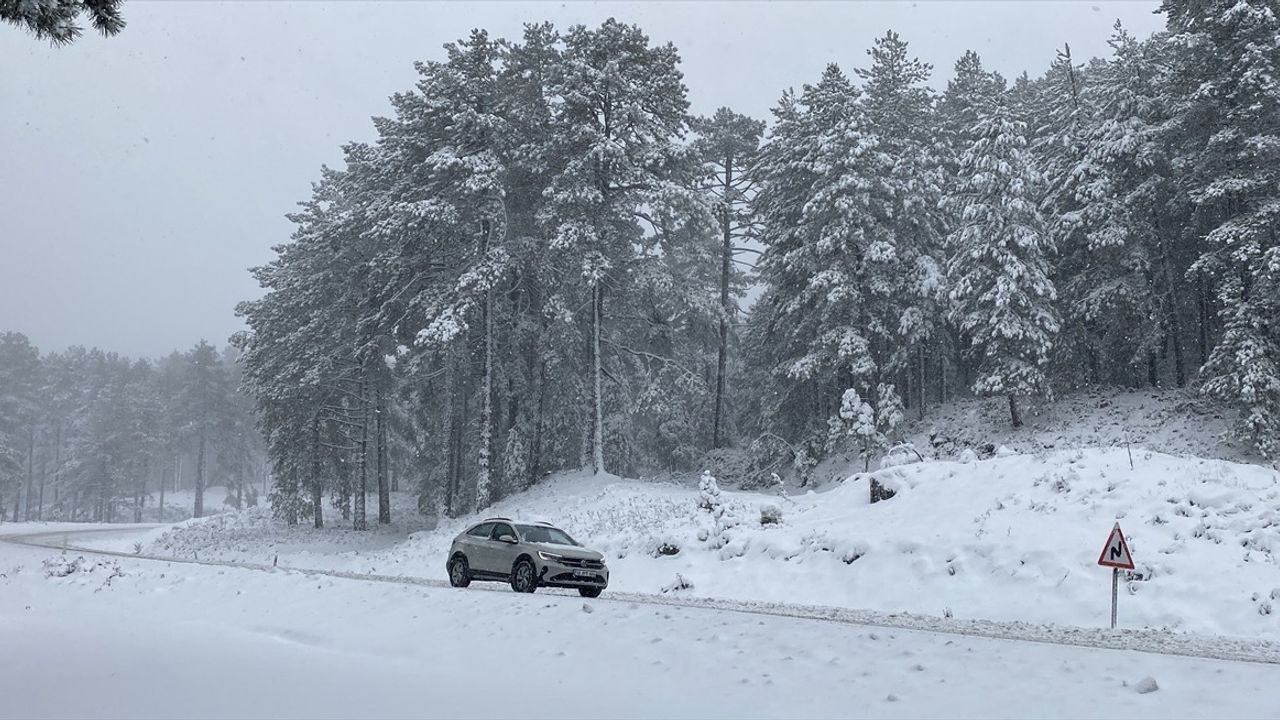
<point>57,20</point>
<point>1227,71</point>
<point>622,109</point>
<point>900,108</point>
<point>1002,298</point>
<point>829,318</point>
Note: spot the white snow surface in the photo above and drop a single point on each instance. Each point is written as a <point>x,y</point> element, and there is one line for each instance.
<point>1013,538</point>
<point>178,640</point>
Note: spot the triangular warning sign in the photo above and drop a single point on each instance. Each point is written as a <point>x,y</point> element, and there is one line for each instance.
<point>1116,552</point>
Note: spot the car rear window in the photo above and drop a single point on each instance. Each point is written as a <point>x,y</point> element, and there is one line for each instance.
<point>481,530</point>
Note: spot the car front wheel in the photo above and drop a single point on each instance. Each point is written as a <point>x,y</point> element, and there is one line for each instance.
<point>459,572</point>
<point>524,578</point>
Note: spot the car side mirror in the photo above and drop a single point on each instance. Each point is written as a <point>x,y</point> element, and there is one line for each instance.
<point>507,539</point>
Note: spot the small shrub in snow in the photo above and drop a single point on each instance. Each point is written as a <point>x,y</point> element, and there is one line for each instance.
<point>901,454</point>
<point>708,493</point>
<point>680,584</point>
<point>968,456</point>
<point>80,569</point>
<point>666,548</point>
<point>770,515</point>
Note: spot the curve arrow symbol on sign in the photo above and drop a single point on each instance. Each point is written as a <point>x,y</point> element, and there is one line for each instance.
<point>1115,554</point>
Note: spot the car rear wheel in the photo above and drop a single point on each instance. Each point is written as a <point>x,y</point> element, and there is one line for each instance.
<point>589,592</point>
<point>524,578</point>
<point>459,572</point>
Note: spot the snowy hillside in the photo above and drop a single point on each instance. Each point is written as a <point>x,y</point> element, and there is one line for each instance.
<point>1011,538</point>
<point>1176,421</point>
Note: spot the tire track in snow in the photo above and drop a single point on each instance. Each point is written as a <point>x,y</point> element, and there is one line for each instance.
<point>1148,641</point>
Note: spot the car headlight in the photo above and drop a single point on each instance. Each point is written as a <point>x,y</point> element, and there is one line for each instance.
<point>549,556</point>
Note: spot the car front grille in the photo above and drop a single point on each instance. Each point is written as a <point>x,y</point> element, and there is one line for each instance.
<point>587,564</point>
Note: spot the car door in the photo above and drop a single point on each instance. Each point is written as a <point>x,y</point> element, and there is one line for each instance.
<point>475,544</point>
<point>500,556</point>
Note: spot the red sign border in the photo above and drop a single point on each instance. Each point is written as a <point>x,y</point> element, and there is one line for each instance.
<point>1123,543</point>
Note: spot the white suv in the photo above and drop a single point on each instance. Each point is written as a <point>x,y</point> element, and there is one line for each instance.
<point>527,555</point>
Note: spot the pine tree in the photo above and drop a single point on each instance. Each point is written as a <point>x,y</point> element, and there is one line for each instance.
<point>622,110</point>
<point>1228,117</point>
<point>55,20</point>
<point>728,145</point>
<point>1001,293</point>
<point>900,109</point>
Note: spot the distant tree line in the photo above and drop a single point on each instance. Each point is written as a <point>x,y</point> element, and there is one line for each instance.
<point>540,261</point>
<point>94,436</point>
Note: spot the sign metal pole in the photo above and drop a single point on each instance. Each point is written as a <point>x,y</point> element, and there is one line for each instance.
<point>1115,594</point>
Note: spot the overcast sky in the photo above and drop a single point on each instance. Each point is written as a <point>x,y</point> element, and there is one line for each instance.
<point>141,175</point>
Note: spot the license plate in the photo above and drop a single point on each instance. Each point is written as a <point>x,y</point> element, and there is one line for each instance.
<point>583,574</point>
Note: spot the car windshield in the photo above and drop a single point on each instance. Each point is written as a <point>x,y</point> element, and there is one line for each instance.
<point>544,534</point>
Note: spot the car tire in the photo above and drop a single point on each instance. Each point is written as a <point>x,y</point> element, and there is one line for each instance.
<point>590,592</point>
<point>524,578</point>
<point>459,572</point>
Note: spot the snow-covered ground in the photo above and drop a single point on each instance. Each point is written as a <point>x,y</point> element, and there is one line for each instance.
<point>1013,538</point>
<point>1175,421</point>
<point>117,637</point>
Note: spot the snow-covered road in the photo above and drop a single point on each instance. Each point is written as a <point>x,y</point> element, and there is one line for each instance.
<point>1149,641</point>
<point>189,640</point>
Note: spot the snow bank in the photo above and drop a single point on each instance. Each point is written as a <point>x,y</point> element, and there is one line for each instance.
<point>1012,538</point>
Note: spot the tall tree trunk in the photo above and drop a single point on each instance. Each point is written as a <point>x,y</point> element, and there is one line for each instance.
<point>535,452</point>
<point>726,260</point>
<point>483,473</point>
<point>597,449</point>
<point>1014,414</point>
<point>291,493</point>
<point>1153,369</point>
<point>31,478</point>
<point>380,429</point>
<point>165,481</point>
<point>314,483</point>
<point>200,470</point>
<point>363,488</point>
<point>942,373</point>
<point>1202,298</point>
<point>924,364</point>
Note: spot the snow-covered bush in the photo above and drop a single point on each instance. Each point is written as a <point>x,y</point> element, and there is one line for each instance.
<point>901,454</point>
<point>679,584</point>
<point>82,571</point>
<point>708,493</point>
<point>869,428</point>
<point>666,548</point>
<point>770,515</point>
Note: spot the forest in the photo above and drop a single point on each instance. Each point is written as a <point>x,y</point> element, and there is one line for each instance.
<point>89,435</point>
<point>544,261</point>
